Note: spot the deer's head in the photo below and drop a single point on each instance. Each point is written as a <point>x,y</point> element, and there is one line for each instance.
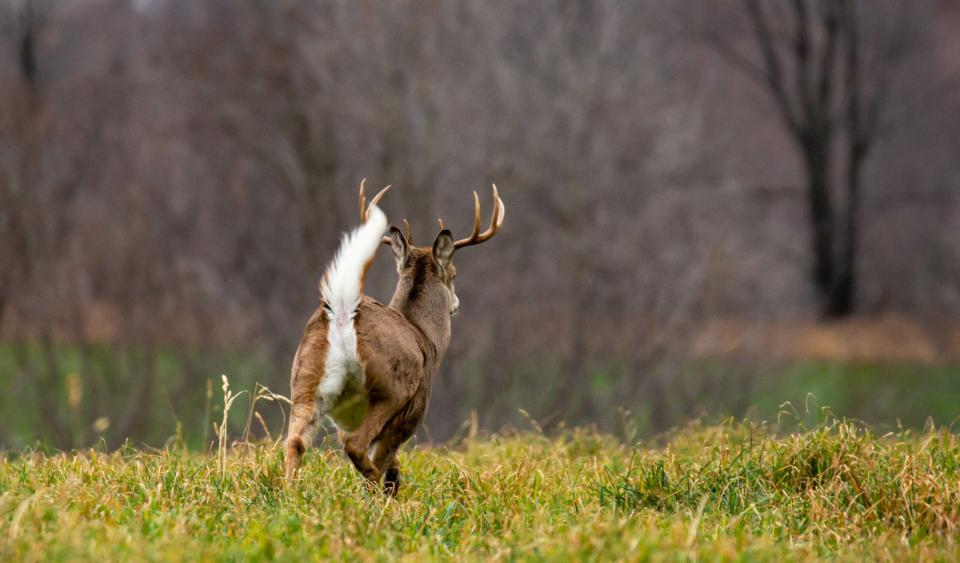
<point>427,273</point>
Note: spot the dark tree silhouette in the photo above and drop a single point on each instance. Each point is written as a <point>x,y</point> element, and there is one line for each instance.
<point>22,21</point>
<point>829,67</point>
<point>21,24</point>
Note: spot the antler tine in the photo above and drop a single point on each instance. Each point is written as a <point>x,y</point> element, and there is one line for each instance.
<point>363,199</point>
<point>409,231</point>
<point>496,220</point>
<point>364,207</point>
<point>376,199</point>
<point>476,224</point>
<point>500,207</point>
<point>476,216</point>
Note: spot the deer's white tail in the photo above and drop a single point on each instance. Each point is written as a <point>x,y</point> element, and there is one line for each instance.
<point>340,290</point>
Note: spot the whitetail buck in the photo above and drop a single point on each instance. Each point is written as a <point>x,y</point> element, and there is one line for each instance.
<point>366,366</point>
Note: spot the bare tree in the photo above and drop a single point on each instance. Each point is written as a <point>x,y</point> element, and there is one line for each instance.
<point>829,67</point>
<point>22,23</point>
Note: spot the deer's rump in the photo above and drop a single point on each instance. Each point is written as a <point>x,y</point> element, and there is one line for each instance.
<point>389,353</point>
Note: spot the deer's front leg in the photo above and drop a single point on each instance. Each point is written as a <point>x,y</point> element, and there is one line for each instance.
<point>357,443</point>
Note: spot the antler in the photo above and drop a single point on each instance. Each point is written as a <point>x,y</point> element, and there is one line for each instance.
<point>476,237</point>
<point>364,208</point>
<point>495,221</point>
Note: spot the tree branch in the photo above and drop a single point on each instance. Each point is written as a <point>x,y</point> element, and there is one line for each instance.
<point>765,42</point>
<point>801,50</point>
<point>828,55</point>
<point>737,59</point>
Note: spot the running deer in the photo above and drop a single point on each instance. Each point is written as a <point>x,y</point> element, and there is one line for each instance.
<point>368,366</point>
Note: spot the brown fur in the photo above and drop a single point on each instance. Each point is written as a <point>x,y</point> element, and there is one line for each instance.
<point>400,346</point>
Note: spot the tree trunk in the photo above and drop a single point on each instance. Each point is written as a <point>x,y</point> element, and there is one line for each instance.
<point>842,297</point>
<point>821,216</point>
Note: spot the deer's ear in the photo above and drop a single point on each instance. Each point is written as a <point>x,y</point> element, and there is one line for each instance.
<point>398,244</point>
<point>443,249</point>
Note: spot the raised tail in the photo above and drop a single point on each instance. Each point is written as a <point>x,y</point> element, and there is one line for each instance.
<point>340,291</point>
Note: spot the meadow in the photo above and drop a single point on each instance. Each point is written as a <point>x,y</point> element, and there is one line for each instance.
<point>729,491</point>
<point>66,397</point>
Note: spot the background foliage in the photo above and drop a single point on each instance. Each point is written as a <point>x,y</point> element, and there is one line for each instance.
<point>174,175</point>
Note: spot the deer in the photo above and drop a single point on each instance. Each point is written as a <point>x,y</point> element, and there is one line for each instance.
<point>368,367</point>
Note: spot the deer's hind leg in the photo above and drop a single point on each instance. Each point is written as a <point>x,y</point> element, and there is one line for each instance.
<point>304,420</point>
<point>305,377</point>
<point>357,443</point>
<point>398,430</point>
<point>385,459</point>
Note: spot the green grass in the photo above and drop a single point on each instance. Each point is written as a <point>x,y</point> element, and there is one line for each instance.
<point>164,393</point>
<point>888,397</point>
<point>727,492</point>
<point>37,381</point>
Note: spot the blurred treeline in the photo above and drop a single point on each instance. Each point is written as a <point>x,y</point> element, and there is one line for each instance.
<point>174,175</point>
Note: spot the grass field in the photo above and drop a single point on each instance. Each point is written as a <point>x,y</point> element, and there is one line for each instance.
<point>62,397</point>
<point>725,492</point>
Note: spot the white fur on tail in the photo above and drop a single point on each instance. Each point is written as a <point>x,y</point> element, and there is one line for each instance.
<point>340,291</point>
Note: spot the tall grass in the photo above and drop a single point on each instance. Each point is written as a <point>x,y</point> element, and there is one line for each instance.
<point>731,491</point>
<point>837,484</point>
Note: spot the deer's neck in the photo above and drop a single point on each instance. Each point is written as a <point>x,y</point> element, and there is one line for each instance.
<point>428,308</point>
